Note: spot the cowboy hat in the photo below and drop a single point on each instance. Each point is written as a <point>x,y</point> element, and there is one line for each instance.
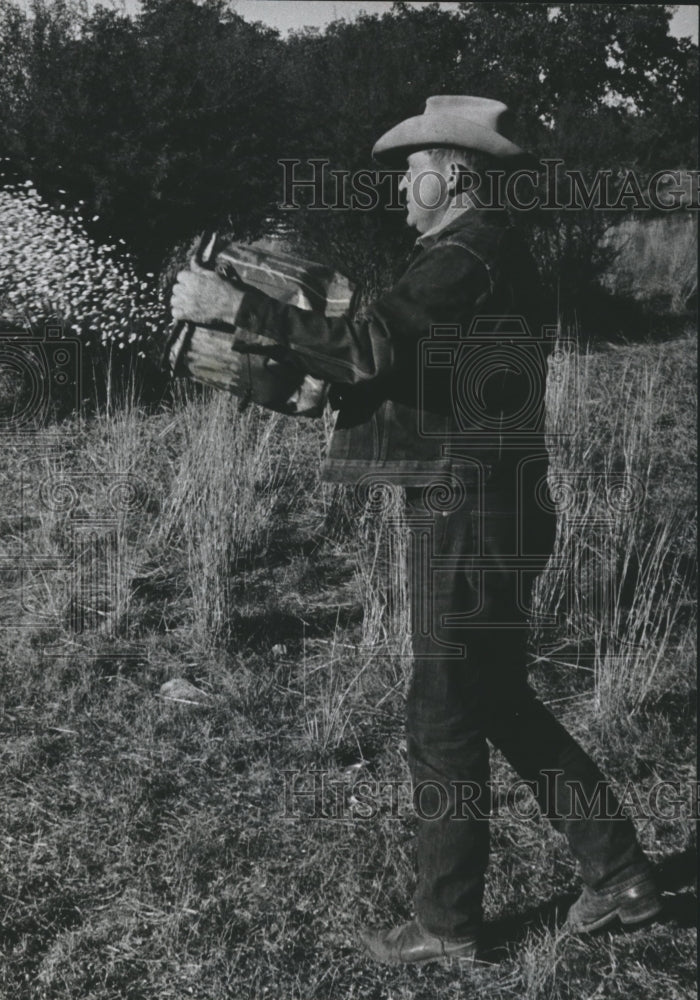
<point>464,122</point>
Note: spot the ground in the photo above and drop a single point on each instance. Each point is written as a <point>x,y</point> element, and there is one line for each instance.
<point>159,848</point>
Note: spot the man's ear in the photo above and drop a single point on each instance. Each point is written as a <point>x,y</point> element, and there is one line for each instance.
<point>452,178</point>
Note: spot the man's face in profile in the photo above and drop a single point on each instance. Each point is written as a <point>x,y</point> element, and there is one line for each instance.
<point>427,195</point>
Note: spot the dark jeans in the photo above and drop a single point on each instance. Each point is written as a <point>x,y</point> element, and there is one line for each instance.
<point>465,563</point>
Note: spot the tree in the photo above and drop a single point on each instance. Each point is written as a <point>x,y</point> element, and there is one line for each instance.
<point>161,124</point>
<point>596,85</point>
<point>176,119</point>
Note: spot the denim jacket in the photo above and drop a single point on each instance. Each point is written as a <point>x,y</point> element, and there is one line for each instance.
<point>445,372</point>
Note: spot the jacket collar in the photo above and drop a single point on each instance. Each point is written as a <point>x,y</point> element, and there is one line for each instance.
<point>459,218</point>
<point>452,214</point>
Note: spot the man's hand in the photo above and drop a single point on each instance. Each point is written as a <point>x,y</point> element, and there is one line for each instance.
<point>201,296</point>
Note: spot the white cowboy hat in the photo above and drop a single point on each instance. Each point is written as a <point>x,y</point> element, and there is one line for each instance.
<point>451,120</point>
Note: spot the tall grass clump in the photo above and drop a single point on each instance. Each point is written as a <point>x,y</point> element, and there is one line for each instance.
<point>222,500</point>
<point>380,550</point>
<point>370,518</point>
<point>617,578</point>
<point>76,525</point>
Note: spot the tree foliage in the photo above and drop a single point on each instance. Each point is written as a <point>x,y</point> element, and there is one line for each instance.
<point>176,119</point>
<point>161,124</point>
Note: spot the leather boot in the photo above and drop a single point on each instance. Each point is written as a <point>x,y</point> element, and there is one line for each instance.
<point>633,901</point>
<point>411,944</point>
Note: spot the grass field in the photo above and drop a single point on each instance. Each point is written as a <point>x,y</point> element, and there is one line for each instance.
<point>150,846</point>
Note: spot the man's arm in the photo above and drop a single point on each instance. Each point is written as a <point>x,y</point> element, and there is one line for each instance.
<point>445,285</point>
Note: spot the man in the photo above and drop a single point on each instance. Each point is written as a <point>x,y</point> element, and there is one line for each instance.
<point>441,390</point>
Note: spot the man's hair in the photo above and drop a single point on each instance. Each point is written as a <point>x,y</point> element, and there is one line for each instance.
<point>474,167</point>
<point>471,159</point>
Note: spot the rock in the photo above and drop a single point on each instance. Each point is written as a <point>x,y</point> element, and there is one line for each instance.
<point>181,690</point>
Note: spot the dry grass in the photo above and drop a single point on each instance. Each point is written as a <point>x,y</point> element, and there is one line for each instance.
<point>620,576</point>
<point>654,255</point>
<point>145,850</point>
